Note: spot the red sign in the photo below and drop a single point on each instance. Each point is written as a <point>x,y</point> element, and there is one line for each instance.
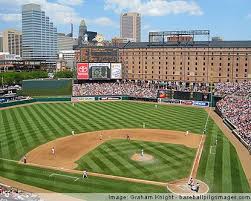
<point>83,71</point>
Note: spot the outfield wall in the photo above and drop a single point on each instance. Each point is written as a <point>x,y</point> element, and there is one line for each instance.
<point>21,102</point>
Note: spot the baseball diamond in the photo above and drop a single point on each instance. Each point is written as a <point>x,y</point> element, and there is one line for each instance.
<point>28,128</point>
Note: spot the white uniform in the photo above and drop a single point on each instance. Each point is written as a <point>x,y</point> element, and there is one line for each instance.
<point>142,153</point>
<point>72,133</point>
<point>53,151</point>
<point>85,174</point>
<point>187,133</point>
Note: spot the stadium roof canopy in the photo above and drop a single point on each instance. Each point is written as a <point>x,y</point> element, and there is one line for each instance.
<point>195,44</point>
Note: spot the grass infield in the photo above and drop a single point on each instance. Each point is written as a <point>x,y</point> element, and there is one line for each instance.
<point>24,128</point>
<point>170,161</point>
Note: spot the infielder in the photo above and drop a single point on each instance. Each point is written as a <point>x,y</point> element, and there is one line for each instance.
<point>72,132</point>
<point>25,160</point>
<point>53,151</point>
<point>187,133</point>
<point>85,175</point>
<point>142,153</point>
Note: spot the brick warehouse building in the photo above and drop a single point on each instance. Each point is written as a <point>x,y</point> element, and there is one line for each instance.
<point>208,61</point>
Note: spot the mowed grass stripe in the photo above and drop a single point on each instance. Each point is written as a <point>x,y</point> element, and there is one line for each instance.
<point>40,178</point>
<point>226,164</point>
<point>12,149</point>
<point>122,162</point>
<point>49,129</point>
<point>52,132</point>
<point>65,117</point>
<point>23,142</point>
<point>235,174</point>
<point>163,155</point>
<point>115,166</point>
<point>218,165</point>
<point>58,127</point>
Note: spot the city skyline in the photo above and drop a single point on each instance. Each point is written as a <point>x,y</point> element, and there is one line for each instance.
<point>227,18</point>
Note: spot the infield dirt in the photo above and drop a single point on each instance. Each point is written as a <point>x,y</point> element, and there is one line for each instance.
<point>71,148</point>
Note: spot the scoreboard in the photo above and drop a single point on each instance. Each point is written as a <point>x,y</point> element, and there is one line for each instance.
<point>99,71</point>
<point>99,54</point>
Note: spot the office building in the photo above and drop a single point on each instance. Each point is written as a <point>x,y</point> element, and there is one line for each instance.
<point>39,34</point>
<point>12,41</point>
<point>130,26</point>
<point>84,36</point>
<point>65,42</point>
<point>1,43</point>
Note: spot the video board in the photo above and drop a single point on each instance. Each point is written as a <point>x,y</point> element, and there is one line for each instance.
<point>99,71</point>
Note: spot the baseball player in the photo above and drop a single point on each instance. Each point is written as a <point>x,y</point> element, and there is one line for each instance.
<point>187,133</point>
<point>128,137</point>
<point>25,159</point>
<point>142,153</point>
<point>144,125</point>
<point>72,132</point>
<point>85,175</point>
<point>53,151</point>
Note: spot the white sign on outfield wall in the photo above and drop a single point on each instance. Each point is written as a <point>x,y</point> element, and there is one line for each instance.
<point>116,71</point>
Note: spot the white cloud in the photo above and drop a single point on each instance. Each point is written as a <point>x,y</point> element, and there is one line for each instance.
<point>155,7</point>
<point>101,21</point>
<point>71,2</point>
<point>60,13</point>
<point>10,17</point>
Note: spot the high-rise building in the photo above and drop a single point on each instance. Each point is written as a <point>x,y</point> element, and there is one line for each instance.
<point>85,36</point>
<point>1,42</point>
<point>130,26</point>
<point>82,32</point>
<point>39,34</point>
<point>65,42</point>
<point>12,41</point>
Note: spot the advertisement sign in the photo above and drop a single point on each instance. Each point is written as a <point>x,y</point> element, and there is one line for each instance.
<point>82,71</point>
<point>116,71</point>
<point>170,101</point>
<point>186,102</point>
<point>110,98</point>
<point>79,99</point>
<point>202,104</point>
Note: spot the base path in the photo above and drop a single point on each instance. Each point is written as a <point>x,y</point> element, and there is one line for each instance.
<point>71,148</point>
<point>242,151</point>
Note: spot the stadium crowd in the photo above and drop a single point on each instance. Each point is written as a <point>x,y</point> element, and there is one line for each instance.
<point>134,89</point>
<point>115,88</point>
<point>236,107</point>
<point>9,193</point>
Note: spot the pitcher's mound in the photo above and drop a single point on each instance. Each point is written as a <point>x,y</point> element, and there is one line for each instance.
<point>138,157</point>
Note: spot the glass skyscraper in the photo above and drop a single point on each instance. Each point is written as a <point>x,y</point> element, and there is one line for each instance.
<point>38,34</point>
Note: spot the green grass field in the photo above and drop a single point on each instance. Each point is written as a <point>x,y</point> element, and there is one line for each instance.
<point>24,128</point>
<point>114,158</point>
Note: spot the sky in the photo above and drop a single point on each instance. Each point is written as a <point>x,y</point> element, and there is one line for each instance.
<point>230,19</point>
